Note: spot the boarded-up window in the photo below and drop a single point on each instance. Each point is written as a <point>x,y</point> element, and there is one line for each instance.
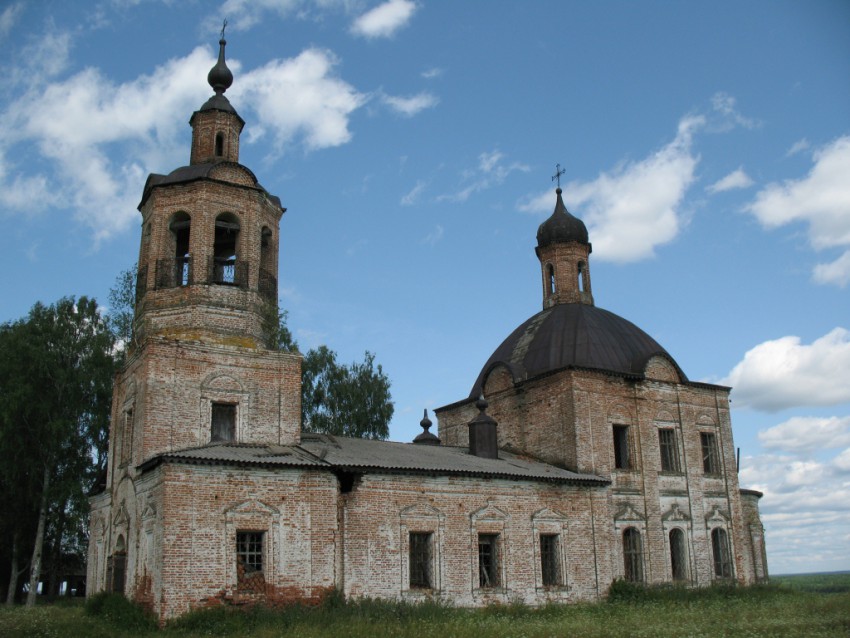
<point>550,560</point>
<point>223,422</point>
<point>488,560</point>
<point>633,555</point>
<point>621,447</point>
<point>420,560</point>
<point>710,460</point>
<point>669,450</point>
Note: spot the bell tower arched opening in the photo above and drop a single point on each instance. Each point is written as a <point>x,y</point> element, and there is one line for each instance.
<point>226,269</point>
<point>180,229</point>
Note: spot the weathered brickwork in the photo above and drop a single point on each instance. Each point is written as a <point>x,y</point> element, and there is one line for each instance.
<point>214,497</point>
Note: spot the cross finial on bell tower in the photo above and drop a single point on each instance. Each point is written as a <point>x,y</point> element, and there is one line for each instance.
<point>557,176</point>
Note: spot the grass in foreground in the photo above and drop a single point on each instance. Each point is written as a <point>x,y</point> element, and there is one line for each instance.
<point>792,608</point>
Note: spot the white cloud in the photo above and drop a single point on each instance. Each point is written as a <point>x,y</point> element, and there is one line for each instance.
<point>412,197</point>
<point>9,17</point>
<point>385,19</point>
<point>434,236</point>
<point>490,172</point>
<point>821,199</point>
<point>243,14</point>
<point>301,96</point>
<point>784,373</point>
<point>637,206</point>
<point>723,105</point>
<point>410,106</point>
<point>836,272</point>
<point>432,73</point>
<point>798,147</point>
<point>799,434</point>
<point>735,179</point>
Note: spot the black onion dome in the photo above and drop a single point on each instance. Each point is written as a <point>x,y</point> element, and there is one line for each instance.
<point>220,77</point>
<point>561,227</point>
<point>574,335</point>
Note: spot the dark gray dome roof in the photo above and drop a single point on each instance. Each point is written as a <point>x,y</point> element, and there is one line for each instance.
<point>574,335</point>
<point>561,227</point>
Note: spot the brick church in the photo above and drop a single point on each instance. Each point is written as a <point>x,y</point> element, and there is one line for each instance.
<point>582,455</point>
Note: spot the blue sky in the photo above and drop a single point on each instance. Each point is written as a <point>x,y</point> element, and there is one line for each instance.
<point>706,145</point>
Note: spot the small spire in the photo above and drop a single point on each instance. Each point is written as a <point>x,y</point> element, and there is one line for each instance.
<point>557,176</point>
<point>426,437</point>
<point>220,77</point>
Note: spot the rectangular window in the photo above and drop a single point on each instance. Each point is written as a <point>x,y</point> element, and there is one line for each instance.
<point>488,560</point>
<point>669,450</point>
<point>127,440</point>
<point>710,459</point>
<point>249,561</point>
<point>621,447</point>
<point>223,422</point>
<point>420,560</point>
<point>550,560</point>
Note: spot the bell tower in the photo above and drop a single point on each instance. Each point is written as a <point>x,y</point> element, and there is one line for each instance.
<point>208,257</point>
<point>564,250</point>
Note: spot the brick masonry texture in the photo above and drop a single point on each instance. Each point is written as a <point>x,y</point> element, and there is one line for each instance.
<point>174,523</point>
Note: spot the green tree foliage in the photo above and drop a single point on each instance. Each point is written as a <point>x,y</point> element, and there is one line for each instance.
<point>122,308</point>
<point>345,400</point>
<point>56,370</point>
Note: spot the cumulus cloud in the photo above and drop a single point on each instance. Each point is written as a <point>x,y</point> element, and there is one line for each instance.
<point>734,180</point>
<point>102,138</point>
<point>636,206</point>
<point>799,434</point>
<point>410,106</point>
<point>384,20</point>
<point>785,373</point>
<point>822,200</point>
<point>491,171</point>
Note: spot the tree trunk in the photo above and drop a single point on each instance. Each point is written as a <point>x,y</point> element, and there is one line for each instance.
<point>35,572</point>
<point>13,576</point>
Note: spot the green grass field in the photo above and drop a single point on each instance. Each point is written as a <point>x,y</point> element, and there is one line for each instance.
<point>805,605</point>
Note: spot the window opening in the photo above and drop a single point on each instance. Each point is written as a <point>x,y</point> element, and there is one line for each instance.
<point>249,561</point>
<point>219,144</point>
<point>420,560</point>
<point>581,276</point>
<point>225,267</point>
<point>669,450</point>
<point>710,460</point>
<point>633,555</point>
<point>268,281</point>
<point>550,560</point>
<point>127,441</point>
<point>223,422</point>
<point>488,560</point>
<point>621,447</point>
<point>678,556</point>
<point>720,551</point>
<point>551,279</point>
<point>181,227</point>
<point>117,567</point>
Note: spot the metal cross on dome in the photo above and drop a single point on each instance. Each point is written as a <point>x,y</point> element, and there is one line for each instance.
<point>558,172</point>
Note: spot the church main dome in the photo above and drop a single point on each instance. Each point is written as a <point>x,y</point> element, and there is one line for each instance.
<point>574,335</point>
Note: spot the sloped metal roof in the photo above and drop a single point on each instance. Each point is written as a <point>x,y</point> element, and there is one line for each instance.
<point>322,451</point>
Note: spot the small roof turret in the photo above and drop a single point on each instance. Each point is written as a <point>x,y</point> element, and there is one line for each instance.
<point>220,78</point>
<point>426,438</point>
<point>561,227</point>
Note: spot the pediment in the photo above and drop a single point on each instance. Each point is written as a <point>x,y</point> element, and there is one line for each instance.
<point>420,510</point>
<point>629,513</point>
<point>149,512</point>
<point>489,513</point>
<point>547,514</point>
<point>222,382</point>
<point>717,515</point>
<point>675,514</point>
<point>251,506</point>
<point>121,517</point>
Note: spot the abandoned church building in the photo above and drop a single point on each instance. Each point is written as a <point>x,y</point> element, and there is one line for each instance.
<point>582,454</point>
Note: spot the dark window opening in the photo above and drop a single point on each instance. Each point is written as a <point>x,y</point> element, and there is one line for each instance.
<point>175,271</point>
<point>116,568</point>
<point>268,281</point>
<point>225,267</point>
<point>669,450</point>
<point>488,560</point>
<point>127,440</point>
<point>249,561</point>
<point>550,560</point>
<point>551,279</point>
<point>581,276</point>
<point>223,426</point>
<point>219,144</point>
<point>678,555</point>
<point>621,447</point>
<point>721,554</point>
<point>633,555</point>
<point>420,560</point>
<point>710,460</point>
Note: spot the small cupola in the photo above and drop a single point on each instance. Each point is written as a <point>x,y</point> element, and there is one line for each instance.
<point>426,437</point>
<point>483,435</point>
<point>216,125</point>
<point>563,249</point>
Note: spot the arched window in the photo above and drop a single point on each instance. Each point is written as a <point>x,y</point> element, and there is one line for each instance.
<point>581,276</point>
<point>550,278</point>
<point>219,144</point>
<point>633,555</point>
<point>226,269</point>
<point>678,555</point>
<point>117,567</point>
<point>175,268</point>
<point>721,554</point>
<point>268,281</point>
